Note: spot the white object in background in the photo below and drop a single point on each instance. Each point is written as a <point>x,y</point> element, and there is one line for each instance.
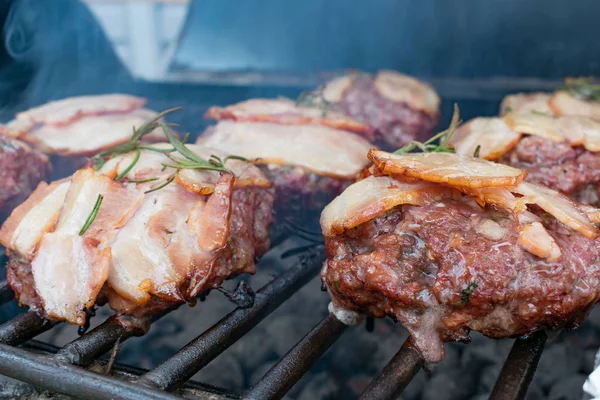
<point>144,33</point>
<point>591,387</point>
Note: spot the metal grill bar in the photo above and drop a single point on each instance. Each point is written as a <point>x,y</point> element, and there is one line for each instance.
<point>23,327</point>
<point>287,371</point>
<point>6,293</point>
<point>520,365</point>
<point>48,373</point>
<point>98,341</point>
<point>202,350</point>
<point>396,375</point>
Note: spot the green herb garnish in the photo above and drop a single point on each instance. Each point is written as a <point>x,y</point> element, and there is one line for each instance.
<point>142,180</point>
<point>165,183</point>
<point>477,150</point>
<point>130,166</point>
<point>508,109</point>
<point>133,143</point>
<point>90,219</point>
<point>583,88</point>
<point>443,137</point>
<point>466,294</point>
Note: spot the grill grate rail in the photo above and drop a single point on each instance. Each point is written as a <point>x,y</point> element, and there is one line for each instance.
<point>73,362</point>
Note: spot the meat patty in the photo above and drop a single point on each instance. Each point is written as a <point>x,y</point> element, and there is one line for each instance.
<point>21,169</point>
<point>395,123</point>
<point>431,268</point>
<point>299,189</point>
<point>572,170</point>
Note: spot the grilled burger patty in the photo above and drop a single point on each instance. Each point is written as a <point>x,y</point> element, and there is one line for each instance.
<point>21,169</point>
<point>395,123</point>
<point>446,244</point>
<point>573,171</point>
<point>432,269</point>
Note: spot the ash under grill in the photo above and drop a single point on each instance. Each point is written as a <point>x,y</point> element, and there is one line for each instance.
<point>77,370</point>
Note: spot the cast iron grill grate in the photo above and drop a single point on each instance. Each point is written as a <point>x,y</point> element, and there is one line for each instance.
<point>75,369</point>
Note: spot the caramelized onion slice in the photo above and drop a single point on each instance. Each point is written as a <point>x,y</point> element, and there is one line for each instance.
<point>521,103</point>
<point>453,169</point>
<point>286,112</point>
<point>559,206</point>
<point>405,89</point>
<point>319,149</point>
<point>493,136</point>
<point>562,103</point>
<point>368,198</point>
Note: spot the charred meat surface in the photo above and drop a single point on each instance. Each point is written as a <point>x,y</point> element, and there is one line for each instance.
<point>445,258</point>
<point>397,107</point>
<point>21,169</point>
<point>142,235</point>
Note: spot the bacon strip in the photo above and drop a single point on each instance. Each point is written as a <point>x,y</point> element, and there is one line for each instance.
<point>493,136</point>
<point>370,197</point>
<point>65,111</point>
<point>319,149</point>
<point>68,269</point>
<point>405,89</point>
<point>450,168</point>
<point>287,112</point>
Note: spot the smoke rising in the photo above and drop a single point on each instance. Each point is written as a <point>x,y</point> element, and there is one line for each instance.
<point>54,49</point>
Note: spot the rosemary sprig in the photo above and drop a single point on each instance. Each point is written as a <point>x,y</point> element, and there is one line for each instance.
<point>134,142</point>
<point>142,180</point>
<point>194,161</point>
<point>583,88</point>
<point>443,137</point>
<point>165,183</point>
<point>130,166</point>
<point>90,219</point>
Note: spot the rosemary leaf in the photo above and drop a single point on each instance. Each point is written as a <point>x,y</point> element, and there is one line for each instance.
<point>443,137</point>
<point>180,147</point>
<point>90,219</point>
<point>150,125</point>
<point>130,166</point>
<point>142,180</point>
<point>477,150</point>
<point>169,180</point>
<point>156,149</point>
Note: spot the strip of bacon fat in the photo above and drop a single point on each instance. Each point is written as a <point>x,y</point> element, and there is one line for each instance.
<point>286,112</point>
<point>68,269</point>
<point>23,230</point>
<point>453,169</point>
<point>559,206</point>
<point>405,89</point>
<point>156,251</point>
<point>92,134</point>
<point>492,135</point>
<point>522,103</point>
<point>319,149</point>
<point>64,111</point>
<point>372,196</point>
<point>562,103</point>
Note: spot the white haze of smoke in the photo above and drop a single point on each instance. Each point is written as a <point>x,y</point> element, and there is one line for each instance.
<point>51,50</point>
